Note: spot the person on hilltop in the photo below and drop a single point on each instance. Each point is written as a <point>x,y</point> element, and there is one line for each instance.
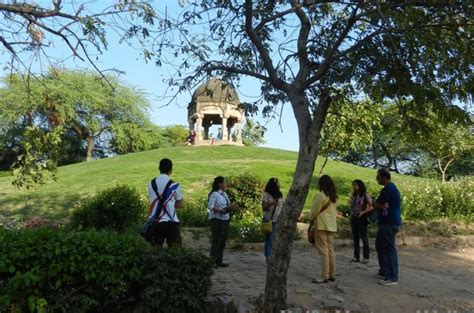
<point>389,221</point>
<point>165,198</point>
<point>191,138</point>
<point>272,202</point>
<point>323,216</point>
<point>219,208</point>
<point>360,204</point>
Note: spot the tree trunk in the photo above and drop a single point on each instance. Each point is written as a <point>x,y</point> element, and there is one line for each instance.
<point>90,148</point>
<point>309,135</point>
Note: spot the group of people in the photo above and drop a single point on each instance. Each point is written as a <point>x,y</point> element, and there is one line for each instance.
<point>166,197</point>
<point>190,140</point>
<point>324,216</point>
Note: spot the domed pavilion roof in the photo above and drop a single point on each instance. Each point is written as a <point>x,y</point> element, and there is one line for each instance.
<point>215,91</point>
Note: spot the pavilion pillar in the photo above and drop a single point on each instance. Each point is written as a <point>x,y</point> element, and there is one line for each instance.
<point>225,133</point>
<point>239,132</point>
<point>198,138</point>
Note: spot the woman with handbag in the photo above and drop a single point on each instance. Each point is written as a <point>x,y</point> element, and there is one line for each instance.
<point>272,202</point>
<point>323,219</point>
<point>361,205</point>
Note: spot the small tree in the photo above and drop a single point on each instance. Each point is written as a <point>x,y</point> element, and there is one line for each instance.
<point>445,143</point>
<point>252,133</point>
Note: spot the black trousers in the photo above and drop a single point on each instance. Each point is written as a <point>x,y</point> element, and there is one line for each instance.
<point>359,232</point>
<point>165,231</point>
<point>220,234</point>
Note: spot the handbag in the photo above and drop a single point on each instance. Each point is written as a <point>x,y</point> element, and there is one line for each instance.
<point>266,227</point>
<point>312,227</point>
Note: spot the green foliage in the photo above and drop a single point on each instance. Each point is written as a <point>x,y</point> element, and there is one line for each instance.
<point>97,271</point>
<point>349,126</point>
<point>173,135</point>
<point>116,208</point>
<point>245,190</point>
<point>252,133</point>
<point>81,109</point>
<point>194,213</point>
<point>175,280</point>
<point>36,165</point>
<point>453,200</point>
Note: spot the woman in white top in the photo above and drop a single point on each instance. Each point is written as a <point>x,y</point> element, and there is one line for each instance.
<point>272,202</point>
<point>219,207</point>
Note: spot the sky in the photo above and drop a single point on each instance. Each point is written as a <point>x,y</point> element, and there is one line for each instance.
<point>149,79</point>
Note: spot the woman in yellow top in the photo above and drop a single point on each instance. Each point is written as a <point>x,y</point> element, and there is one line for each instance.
<point>323,215</point>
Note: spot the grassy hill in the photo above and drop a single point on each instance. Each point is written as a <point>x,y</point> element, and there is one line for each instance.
<point>194,168</point>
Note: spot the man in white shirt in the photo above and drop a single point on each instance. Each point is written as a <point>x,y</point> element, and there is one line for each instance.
<point>165,198</point>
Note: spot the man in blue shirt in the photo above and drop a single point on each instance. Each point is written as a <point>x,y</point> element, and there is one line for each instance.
<point>389,222</point>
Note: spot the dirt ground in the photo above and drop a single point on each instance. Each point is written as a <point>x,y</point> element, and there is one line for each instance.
<point>432,279</point>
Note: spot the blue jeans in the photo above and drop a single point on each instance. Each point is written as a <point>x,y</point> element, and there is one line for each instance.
<point>387,251</point>
<point>268,241</point>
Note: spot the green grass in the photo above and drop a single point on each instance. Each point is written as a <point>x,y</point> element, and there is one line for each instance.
<point>194,168</point>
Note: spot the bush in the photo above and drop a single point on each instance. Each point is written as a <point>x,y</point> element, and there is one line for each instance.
<point>42,269</point>
<point>246,228</point>
<point>453,200</point>
<point>117,208</point>
<point>194,213</point>
<point>246,191</point>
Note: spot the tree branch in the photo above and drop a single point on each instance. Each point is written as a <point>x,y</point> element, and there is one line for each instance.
<point>302,44</point>
<point>212,67</point>
<point>267,61</point>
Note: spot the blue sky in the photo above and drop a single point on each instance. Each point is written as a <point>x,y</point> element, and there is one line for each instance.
<point>149,78</point>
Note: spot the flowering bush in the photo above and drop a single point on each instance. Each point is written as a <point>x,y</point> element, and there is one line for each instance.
<point>246,228</point>
<point>453,200</point>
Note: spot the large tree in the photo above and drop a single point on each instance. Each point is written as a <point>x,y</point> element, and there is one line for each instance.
<point>93,117</point>
<point>308,53</point>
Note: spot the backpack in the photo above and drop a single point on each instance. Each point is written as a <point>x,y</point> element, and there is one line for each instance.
<point>146,228</point>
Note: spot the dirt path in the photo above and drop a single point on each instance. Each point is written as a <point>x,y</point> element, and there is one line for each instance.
<point>431,280</point>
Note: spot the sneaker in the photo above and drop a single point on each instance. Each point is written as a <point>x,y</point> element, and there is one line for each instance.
<point>365,261</point>
<point>355,260</point>
<point>332,279</point>
<point>377,275</point>
<point>223,264</point>
<point>319,281</point>
<point>388,282</point>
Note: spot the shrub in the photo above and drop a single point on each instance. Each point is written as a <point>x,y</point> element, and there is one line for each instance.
<point>116,208</point>
<point>246,191</point>
<point>246,228</point>
<point>56,271</point>
<point>194,213</point>
<point>424,201</point>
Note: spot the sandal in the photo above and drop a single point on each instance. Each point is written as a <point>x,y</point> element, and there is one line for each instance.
<point>319,281</point>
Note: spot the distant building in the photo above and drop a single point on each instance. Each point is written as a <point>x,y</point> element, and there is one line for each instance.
<point>215,103</point>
